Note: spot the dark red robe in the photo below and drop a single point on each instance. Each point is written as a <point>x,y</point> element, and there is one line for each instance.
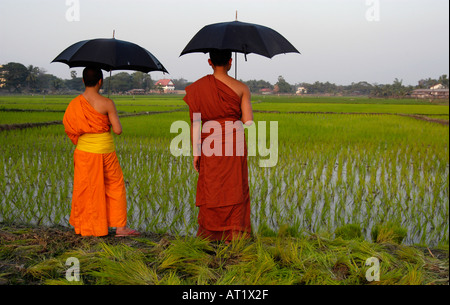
<point>222,189</point>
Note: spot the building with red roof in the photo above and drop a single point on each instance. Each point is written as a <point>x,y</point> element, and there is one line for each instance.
<point>165,84</point>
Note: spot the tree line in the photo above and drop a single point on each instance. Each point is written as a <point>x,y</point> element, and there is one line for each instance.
<point>396,89</point>
<point>18,78</point>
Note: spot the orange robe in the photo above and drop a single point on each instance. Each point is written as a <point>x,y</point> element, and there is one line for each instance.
<point>222,188</point>
<point>99,196</point>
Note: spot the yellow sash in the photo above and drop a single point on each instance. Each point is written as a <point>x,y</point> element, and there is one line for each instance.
<point>97,143</point>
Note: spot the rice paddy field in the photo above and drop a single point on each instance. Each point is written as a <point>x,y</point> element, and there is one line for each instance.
<point>365,166</point>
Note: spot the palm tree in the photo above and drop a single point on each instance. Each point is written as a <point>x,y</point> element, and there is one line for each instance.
<point>444,80</point>
<point>31,79</point>
<point>398,89</point>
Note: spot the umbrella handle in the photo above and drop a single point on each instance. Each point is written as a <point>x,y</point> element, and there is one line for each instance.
<point>235,60</point>
<point>245,51</point>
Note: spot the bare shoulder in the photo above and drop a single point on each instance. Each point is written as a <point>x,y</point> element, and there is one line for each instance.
<point>243,88</point>
<point>107,101</point>
<point>106,105</point>
<point>240,88</point>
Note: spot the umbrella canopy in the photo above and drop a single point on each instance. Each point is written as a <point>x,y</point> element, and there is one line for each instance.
<point>110,54</point>
<point>239,37</point>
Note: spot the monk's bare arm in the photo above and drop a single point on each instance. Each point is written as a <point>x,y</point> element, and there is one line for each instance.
<point>114,117</point>
<point>246,107</point>
<point>196,137</point>
<point>195,141</point>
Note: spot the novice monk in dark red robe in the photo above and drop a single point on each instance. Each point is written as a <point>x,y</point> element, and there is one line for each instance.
<point>222,189</point>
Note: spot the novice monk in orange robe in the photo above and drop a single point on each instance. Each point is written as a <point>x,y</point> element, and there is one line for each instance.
<point>99,196</point>
<point>222,189</point>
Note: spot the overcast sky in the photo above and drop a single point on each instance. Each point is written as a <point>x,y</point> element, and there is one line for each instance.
<point>341,41</point>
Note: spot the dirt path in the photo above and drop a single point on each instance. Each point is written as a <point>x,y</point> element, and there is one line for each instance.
<point>425,118</point>
<point>422,117</point>
<point>28,125</point>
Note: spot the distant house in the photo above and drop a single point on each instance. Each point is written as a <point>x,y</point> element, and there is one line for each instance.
<point>266,91</point>
<point>301,90</point>
<point>2,80</point>
<point>136,92</point>
<point>430,93</point>
<point>438,86</point>
<point>166,85</point>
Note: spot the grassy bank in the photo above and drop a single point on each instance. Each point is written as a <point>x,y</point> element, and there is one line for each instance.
<point>38,255</point>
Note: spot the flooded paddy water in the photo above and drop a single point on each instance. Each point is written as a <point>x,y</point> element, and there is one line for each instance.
<point>332,170</point>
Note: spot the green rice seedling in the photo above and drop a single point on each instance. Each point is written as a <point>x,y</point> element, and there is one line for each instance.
<point>292,230</point>
<point>349,232</point>
<point>325,212</point>
<point>414,276</point>
<point>265,230</point>
<point>410,255</point>
<point>50,268</point>
<point>122,265</point>
<point>171,278</point>
<point>10,118</point>
<point>260,270</point>
<point>388,233</point>
<point>189,258</point>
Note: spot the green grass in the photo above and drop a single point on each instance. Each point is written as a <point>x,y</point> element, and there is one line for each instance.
<point>36,99</point>
<point>10,117</point>
<point>33,109</point>
<point>341,100</point>
<point>353,108</point>
<point>298,129</point>
<point>118,99</point>
<point>440,117</point>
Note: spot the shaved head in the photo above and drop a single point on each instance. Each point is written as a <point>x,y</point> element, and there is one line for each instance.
<point>91,76</point>
<point>220,58</point>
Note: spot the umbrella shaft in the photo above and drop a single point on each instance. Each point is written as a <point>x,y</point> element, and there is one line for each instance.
<point>109,83</point>
<point>235,65</point>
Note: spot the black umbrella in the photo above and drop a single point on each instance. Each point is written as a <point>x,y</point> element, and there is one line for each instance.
<point>110,54</point>
<point>239,37</point>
